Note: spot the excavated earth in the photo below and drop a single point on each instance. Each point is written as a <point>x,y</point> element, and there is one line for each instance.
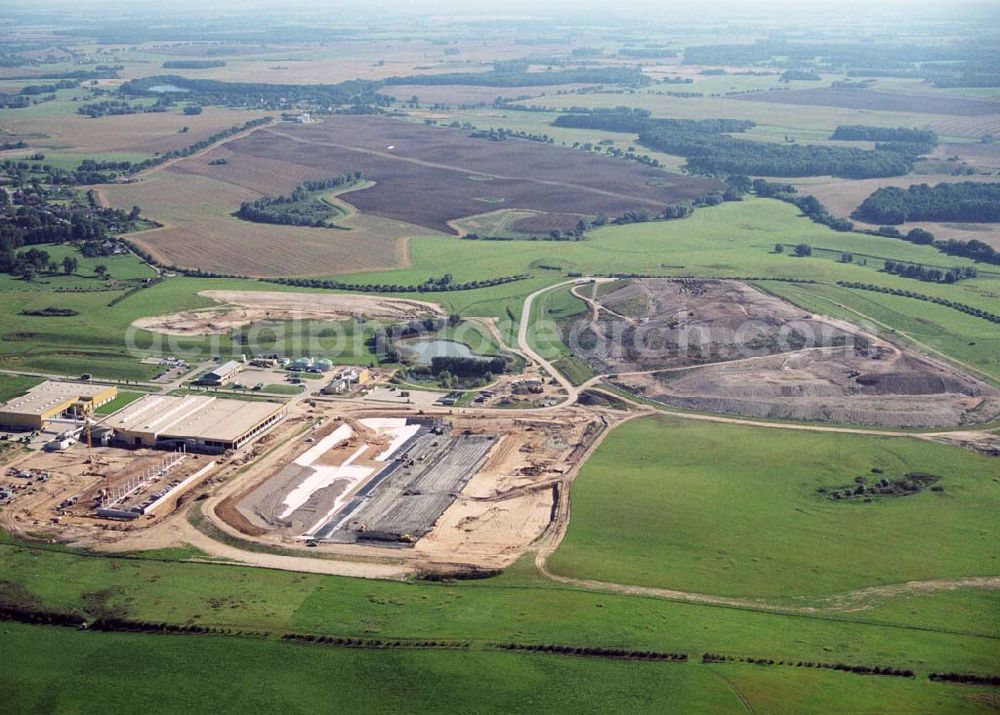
<point>724,346</point>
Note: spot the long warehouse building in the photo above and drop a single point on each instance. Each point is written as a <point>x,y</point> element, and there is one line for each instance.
<point>198,422</point>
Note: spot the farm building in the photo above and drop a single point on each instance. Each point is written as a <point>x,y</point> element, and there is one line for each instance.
<point>50,400</point>
<point>221,373</point>
<point>199,422</point>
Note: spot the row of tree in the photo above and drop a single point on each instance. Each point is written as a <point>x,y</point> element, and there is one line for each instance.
<point>930,275</point>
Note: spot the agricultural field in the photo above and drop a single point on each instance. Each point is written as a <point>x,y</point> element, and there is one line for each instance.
<point>429,176</point>
<point>199,231</point>
<point>866,99</point>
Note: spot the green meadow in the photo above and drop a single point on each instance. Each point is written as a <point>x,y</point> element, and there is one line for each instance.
<point>736,510</point>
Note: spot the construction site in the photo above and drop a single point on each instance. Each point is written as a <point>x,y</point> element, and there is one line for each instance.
<point>461,488</point>
<point>67,494</point>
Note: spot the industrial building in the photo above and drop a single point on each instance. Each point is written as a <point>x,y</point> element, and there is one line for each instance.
<point>51,400</point>
<point>346,379</point>
<point>221,374</point>
<point>197,422</point>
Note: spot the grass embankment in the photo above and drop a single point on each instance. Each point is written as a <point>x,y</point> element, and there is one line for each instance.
<point>12,386</point>
<point>734,510</point>
<point>124,398</point>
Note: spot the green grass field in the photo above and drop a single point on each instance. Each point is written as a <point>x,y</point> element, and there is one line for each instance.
<point>734,510</point>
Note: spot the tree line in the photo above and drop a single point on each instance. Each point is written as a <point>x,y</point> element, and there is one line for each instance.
<point>431,285</point>
<point>930,275</point>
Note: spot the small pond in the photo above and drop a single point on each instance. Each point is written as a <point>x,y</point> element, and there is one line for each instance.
<point>423,350</point>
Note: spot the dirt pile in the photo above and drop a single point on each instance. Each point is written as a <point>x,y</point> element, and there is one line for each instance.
<point>724,346</point>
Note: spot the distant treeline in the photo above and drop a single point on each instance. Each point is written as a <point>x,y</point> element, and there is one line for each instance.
<point>517,77</point>
<point>360,95</point>
<point>36,89</point>
<point>431,285</point>
<point>869,55</point>
<point>647,52</point>
<point>114,107</point>
<point>964,201</point>
<point>192,64</point>
<point>709,149</point>
<point>300,208</point>
<point>633,120</point>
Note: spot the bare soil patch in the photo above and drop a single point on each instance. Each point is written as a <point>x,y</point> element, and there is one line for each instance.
<point>723,346</point>
<point>238,308</point>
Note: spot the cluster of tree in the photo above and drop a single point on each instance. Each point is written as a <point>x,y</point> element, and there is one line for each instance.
<point>116,107</point>
<point>6,146</point>
<point>616,653</point>
<point>974,249</point>
<point>965,678</point>
<point>713,154</point>
<point>52,311</point>
<point>23,172</point>
<point>641,53</point>
<point>929,275</point>
<point>964,201</point>
<point>192,64</point>
<point>800,75</point>
<point>635,121</point>
<point>886,670</point>
<point>961,307</point>
<point>466,367</point>
<point>431,285</point>
<point>14,101</point>
<point>300,208</point>
<point>709,148</point>
<point>360,96</point>
<point>501,134</point>
<point>862,132</point>
<point>36,89</point>
<point>517,76</point>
